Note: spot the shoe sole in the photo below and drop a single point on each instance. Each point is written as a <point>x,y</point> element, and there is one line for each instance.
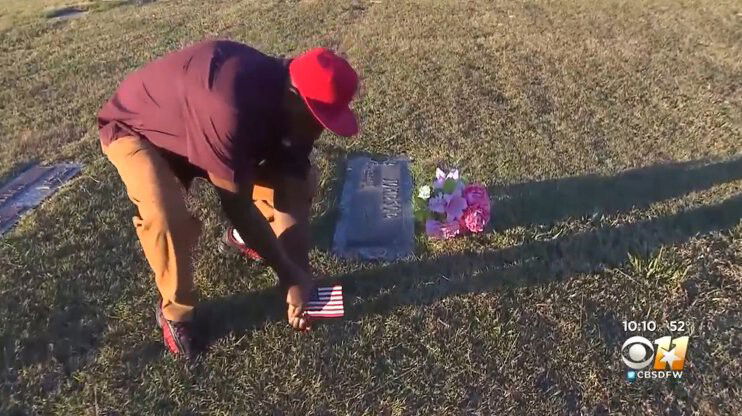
<point>160,319</point>
<point>228,248</point>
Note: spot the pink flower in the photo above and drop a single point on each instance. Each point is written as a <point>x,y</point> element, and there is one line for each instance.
<point>475,218</point>
<point>433,229</point>
<point>437,204</point>
<point>476,195</point>
<point>455,207</point>
<point>450,229</point>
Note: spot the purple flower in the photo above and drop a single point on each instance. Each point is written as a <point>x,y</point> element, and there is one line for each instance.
<point>433,229</point>
<point>456,204</point>
<point>450,229</point>
<point>437,204</point>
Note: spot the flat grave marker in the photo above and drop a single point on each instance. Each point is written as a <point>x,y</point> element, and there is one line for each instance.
<point>30,188</point>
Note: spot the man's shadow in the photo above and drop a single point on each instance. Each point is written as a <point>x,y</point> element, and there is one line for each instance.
<point>378,290</point>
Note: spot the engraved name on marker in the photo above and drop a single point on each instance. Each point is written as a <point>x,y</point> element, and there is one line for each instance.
<point>391,207</point>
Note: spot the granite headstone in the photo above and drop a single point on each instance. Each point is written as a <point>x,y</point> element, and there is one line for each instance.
<point>376,220</point>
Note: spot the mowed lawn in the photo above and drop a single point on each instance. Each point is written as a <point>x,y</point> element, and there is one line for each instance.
<point>609,134</point>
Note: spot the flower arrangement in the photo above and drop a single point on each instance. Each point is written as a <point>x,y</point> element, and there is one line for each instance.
<point>451,207</point>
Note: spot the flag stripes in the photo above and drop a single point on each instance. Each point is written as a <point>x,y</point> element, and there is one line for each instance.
<point>327,302</point>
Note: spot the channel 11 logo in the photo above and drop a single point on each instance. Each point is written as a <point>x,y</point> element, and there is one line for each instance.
<point>667,361</point>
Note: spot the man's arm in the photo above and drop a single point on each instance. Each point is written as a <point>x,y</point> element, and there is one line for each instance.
<point>254,229</point>
<point>236,200</point>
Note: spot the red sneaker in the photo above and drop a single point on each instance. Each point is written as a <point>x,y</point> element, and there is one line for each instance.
<point>232,241</point>
<point>177,336</point>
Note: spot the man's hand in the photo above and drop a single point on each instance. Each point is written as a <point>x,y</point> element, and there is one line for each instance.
<point>298,293</point>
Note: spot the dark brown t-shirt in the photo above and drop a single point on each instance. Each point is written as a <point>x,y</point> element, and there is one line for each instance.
<point>215,106</point>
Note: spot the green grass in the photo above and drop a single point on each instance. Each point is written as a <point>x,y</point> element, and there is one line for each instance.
<point>19,12</point>
<point>609,134</point>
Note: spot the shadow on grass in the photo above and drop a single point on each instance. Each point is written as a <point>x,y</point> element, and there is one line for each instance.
<point>553,200</point>
<point>66,331</point>
<point>71,331</point>
<point>323,227</point>
<point>52,295</point>
<point>535,262</point>
<point>67,12</point>
<point>424,281</point>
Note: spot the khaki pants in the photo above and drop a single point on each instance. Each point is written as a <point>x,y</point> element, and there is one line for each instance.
<point>168,232</point>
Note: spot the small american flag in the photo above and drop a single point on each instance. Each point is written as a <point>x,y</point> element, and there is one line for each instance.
<point>327,302</point>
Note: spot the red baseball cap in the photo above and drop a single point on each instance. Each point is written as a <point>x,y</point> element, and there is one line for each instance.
<point>327,84</point>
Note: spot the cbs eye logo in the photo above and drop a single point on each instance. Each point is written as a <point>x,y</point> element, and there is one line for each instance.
<point>640,352</point>
<point>637,352</point>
